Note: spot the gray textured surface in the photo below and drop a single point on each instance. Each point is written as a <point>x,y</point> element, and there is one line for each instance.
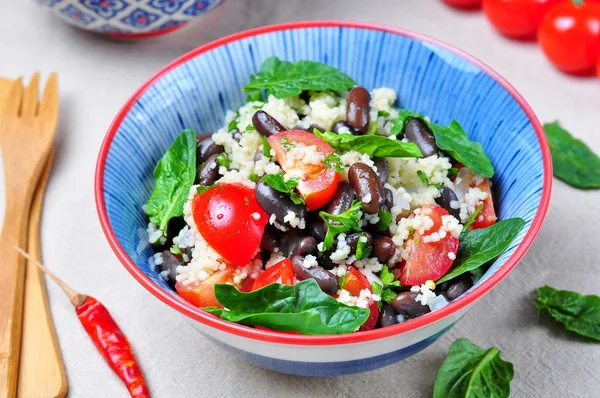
<point>97,76</point>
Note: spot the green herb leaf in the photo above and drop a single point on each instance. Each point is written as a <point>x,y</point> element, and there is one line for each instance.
<point>340,223</point>
<point>287,145</point>
<point>250,128</point>
<point>174,176</point>
<point>362,250</point>
<point>423,177</point>
<point>385,219</point>
<point>278,182</point>
<point>455,141</point>
<point>452,172</point>
<point>203,188</point>
<point>266,147</point>
<point>386,276</point>
<point>404,115</point>
<point>254,96</point>
<point>176,250</point>
<point>383,114</point>
<point>388,295</point>
<point>232,125</point>
<point>573,161</point>
<point>373,127</point>
<point>223,160</point>
<point>301,308</point>
<point>334,162</point>
<point>378,290</point>
<point>253,176</point>
<point>374,145</point>
<point>470,371</point>
<point>579,314</point>
<point>479,246</point>
<point>471,219</point>
<point>283,79</point>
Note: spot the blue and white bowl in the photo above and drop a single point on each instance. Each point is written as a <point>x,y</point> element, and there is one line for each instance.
<point>130,19</point>
<point>434,78</point>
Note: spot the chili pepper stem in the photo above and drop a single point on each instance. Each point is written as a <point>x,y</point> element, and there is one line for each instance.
<point>76,298</point>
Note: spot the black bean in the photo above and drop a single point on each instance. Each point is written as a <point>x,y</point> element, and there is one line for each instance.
<point>206,147</point>
<point>357,109</point>
<point>352,240</point>
<point>341,200</point>
<point>383,248</point>
<point>418,133</point>
<point>259,155</point>
<point>405,304</point>
<point>367,186</point>
<point>288,243</point>
<point>265,124</point>
<point>447,196</point>
<point>341,125</point>
<point>383,169</point>
<point>316,229</point>
<point>389,198</point>
<point>270,239</point>
<point>278,203</point>
<point>388,316</point>
<point>305,246</point>
<point>170,264</point>
<point>208,172</point>
<point>326,261</point>
<point>325,279</point>
<point>458,286</point>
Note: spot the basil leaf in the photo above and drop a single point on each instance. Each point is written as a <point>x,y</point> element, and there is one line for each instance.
<point>374,145</point>
<point>479,246</point>
<point>334,162</point>
<point>573,161</point>
<point>278,182</point>
<point>455,141</point>
<point>470,371</point>
<point>302,308</point>
<point>471,219</point>
<point>404,115</point>
<point>579,314</point>
<point>284,79</point>
<point>174,174</point>
<point>266,147</point>
<point>340,223</point>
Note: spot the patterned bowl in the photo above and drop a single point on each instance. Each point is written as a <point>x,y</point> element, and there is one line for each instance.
<point>197,89</point>
<point>130,19</point>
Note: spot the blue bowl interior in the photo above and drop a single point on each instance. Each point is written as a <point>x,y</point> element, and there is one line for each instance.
<point>429,79</point>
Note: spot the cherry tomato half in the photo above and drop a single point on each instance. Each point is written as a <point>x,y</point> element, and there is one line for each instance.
<point>317,183</point>
<point>487,215</point>
<point>354,282</point>
<point>202,294</point>
<point>281,272</point>
<point>517,18</point>
<point>570,36</point>
<point>428,260</point>
<point>464,3</point>
<point>231,220</point>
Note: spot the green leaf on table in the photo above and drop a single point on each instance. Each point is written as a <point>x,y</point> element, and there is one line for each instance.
<point>284,79</point>
<point>277,181</point>
<point>174,176</point>
<point>472,372</point>
<point>579,314</point>
<point>573,161</point>
<point>340,223</point>
<point>301,308</point>
<point>479,246</point>
<point>374,145</point>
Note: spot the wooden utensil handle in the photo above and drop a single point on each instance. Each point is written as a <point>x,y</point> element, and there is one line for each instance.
<point>12,277</point>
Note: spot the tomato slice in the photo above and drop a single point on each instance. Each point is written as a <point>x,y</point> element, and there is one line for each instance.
<point>317,182</point>
<point>487,215</point>
<point>231,220</point>
<point>354,282</point>
<point>202,294</point>
<point>428,260</point>
<point>281,272</point>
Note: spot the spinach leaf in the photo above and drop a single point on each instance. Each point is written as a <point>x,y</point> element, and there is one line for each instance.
<point>174,176</point>
<point>278,182</point>
<point>479,246</point>
<point>302,308</point>
<point>470,371</point>
<point>579,314</point>
<point>283,79</point>
<point>455,141</point>
<point>574,163</point>
<point>374,145</point>
<point>404,115</point>
<point>339,223</point>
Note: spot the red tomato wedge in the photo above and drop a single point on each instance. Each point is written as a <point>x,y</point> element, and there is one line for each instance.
<point>317,182</point>
<point>231,220</point>
<point>202,294</point>
<point>281,272</point>
<point>487,215</point>
<point>354,282</point>
<point>428,260</point>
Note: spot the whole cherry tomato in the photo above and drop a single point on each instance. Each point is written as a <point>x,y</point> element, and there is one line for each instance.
<point>570,35</point>
<point>517,18</point>
<point>464,3</point>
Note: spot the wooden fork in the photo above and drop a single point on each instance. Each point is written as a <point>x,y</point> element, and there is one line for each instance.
<point>27,129</point>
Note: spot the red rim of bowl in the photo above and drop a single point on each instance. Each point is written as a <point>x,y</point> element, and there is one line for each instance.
<point>282,338</point>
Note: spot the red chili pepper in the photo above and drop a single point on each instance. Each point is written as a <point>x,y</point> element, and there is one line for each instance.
<point>105,334</point>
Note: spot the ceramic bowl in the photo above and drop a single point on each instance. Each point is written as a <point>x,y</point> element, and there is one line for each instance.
<point>434,78</point>
<point>129,19</point>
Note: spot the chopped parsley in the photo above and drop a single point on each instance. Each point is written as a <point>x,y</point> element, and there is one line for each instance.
<point>373,128</point>
<point>362,250</point>
<point>253,177</point>
<point>249,128</point>
<point>334,162</point>
<point>286,144</point>
<point>340,223</point>
<point>266,147</point>
<point>378,290</point>
<point>385,219</point>
<point>387,278</point>
<point>203,188</point>
<point>473,217</point>
<point>452,172</point>
<point>176,250</point>
<point>424,178</point>
<point>223,160</point>
<point>383,114</point>
<point>232,125</point>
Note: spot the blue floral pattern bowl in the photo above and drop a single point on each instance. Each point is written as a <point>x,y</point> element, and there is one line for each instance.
<point>130,19</point>
<point>196,90</point>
